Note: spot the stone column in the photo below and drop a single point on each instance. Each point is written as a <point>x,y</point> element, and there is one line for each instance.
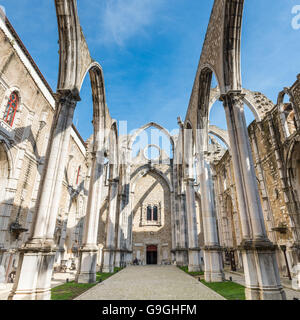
<point>173,227</point>
<point>123,255</point>
<point>182,251</point>
<point>212,251</point>
<point>119,259</point>
<point>267,209</point>
<point>193,246</point>
<point>259,260</point>
<point>33,279</point>
<point>109,250</point>
<point>179,259</point>
<point>88,252</point>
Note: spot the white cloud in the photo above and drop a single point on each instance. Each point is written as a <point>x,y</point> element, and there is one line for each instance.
<point>124,19</point>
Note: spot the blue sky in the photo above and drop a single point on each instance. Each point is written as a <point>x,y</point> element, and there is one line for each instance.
<point>149,51</point>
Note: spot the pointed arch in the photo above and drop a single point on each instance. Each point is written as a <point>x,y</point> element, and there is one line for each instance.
<point>221,134</point>
<point>145,127</point>
<point>144,170</point>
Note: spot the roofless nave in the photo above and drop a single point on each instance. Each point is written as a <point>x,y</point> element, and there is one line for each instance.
<point>98,205</point>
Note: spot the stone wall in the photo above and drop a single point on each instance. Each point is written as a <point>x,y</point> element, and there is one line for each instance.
<point>24,146</point>
<point>272,150</point>
<point>151,189</point>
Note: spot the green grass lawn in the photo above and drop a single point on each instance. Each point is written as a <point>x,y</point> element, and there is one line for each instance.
<point>229,290</point>
<point>186,269</point>
<point>71,290</point>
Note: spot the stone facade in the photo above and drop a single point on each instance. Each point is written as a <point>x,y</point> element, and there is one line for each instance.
<point>66,203</point>
<point>275,146</point>
<point>23,152</point>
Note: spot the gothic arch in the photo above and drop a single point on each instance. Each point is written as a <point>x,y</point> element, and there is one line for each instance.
<point>251,99</point>
<point>189,149</point>
<point>10,162</point>
<point>293,156</point>
<point>112,150</point>
<point>75,62</point>
<point>293,179</point>
<point>98,91</point>
<point>139,173</point>
<point>221,134</point>
<point>145,127</point>
<point>294,112</point>
<point>74,55</point>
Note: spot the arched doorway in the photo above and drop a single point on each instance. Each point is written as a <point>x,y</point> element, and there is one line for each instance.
<point>151,254</point>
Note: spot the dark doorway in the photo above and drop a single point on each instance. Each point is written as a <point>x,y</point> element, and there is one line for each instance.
<point>151,254</point>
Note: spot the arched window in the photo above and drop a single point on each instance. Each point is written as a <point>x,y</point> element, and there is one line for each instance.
<point>149,213</point>
<point>152,213</point>
<point>155,217</point>
<point>11,109</point>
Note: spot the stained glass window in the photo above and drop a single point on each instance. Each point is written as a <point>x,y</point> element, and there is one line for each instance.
<point>11,109</point>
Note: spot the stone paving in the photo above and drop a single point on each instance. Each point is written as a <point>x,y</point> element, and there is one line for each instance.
<point>150,283</point>
<point>239,278</point>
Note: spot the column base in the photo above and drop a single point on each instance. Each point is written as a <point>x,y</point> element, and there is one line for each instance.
<point>33,281</point>
<point>296,278</point>
<point>261,271</point>
<point>213,264</point>
<point>87,265</point>
<point>194,260</point>
<point>181,257</point>
<point>118,258</point>
<point>121,259</point>
<point>108,261</point>
<point>128,258</point>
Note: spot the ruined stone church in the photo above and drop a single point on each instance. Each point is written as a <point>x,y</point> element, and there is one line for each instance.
<point>216,199</point>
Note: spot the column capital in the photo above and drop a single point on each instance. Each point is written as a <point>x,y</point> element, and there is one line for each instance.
<point>70,97</point>
<point>189,180</point>
<point>114,180</point>
<point>234,96</point>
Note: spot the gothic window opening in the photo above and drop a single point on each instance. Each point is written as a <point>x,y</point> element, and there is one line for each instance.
<point>149,213</point>
<point>152,213</point>
<point>11,109</point>
<point>155,216</point>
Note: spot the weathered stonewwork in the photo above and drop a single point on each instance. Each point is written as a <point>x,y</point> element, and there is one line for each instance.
<point>81,205</point>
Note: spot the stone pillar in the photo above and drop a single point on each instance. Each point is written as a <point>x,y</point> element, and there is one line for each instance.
<point>173,227</point>
<point>122,228</point>
<point>267,209</point>
<point>259,260</point>
<point>178,252</point>
<point>123,255</point>
<point>88,252</point>
<point>109,250</point>
<point>193,247</point>
<point>33,279</point>
<point>213,263</point>
<point>120,235</point>
<point>182,251</point>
